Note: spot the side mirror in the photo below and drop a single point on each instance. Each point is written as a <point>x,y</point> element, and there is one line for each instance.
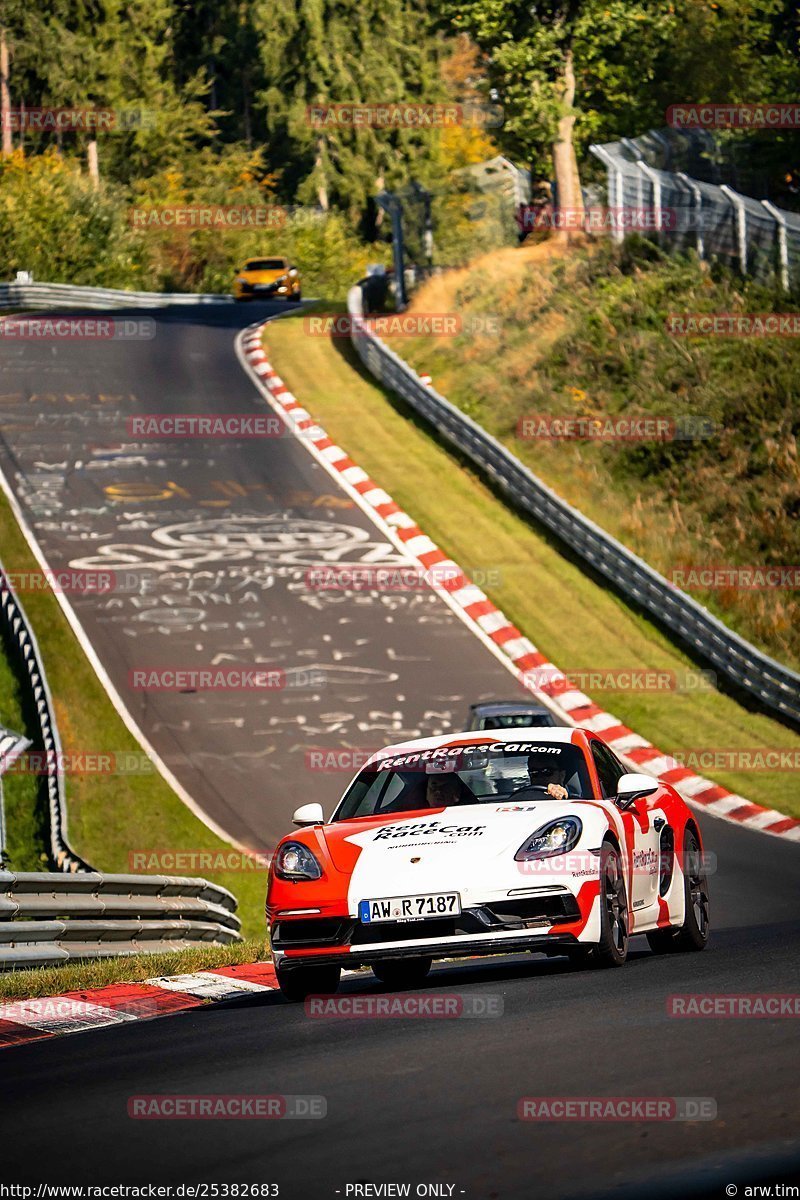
<point>308,814</point>
<point>631,787</point>
<point>292,270</point>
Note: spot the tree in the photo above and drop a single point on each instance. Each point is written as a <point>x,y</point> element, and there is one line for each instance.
<point>5,101</point>
<point>323,53</point>
<point>553,62</point>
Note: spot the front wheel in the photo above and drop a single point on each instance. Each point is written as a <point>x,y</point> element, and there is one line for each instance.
<point>693,933</point>
<point>298,984</point>
<point>612,949</point>
<point>402,972</point>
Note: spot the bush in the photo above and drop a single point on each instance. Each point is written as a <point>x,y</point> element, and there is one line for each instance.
<point>54,223</point>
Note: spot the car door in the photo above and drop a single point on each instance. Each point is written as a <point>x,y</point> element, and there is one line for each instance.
<point>642,821</point>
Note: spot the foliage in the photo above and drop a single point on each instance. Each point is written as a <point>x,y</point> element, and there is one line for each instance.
<point>53,223</point>
<point>632,60</point>
<point>587,336</point>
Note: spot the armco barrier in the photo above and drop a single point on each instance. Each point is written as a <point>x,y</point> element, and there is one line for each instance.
<point>49,918</point>
<point>770,683</point>
<point>67,295</point>
<point>20,637</point>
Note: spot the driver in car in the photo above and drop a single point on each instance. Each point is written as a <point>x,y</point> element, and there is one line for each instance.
<point>546,775</point>
<point>443,791</point>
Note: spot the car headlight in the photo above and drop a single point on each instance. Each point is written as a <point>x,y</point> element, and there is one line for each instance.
<point>239,279</point>
<point>295,861</point>
<point>282,279</point>
<point>556,837</point>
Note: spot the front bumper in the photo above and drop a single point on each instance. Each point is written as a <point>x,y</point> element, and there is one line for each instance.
<point>535,923</point>
<point>250,290</point>
<point>534,941</point>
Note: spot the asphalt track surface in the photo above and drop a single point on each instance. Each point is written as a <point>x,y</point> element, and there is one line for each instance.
<point>210,543</point>
<point>434,1101</point>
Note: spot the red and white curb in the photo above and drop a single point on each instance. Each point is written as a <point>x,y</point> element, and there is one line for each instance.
<point>95,1008</point>
<point>486,619</point>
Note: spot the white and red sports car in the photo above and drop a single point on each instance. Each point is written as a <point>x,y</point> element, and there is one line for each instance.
<point>485,843</point>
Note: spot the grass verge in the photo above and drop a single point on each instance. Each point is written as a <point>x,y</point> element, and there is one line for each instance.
<point>589,335</point>
<point>575,621</point>
<point>27,834</point>
<point>90,973</point>
<point>111,816</point>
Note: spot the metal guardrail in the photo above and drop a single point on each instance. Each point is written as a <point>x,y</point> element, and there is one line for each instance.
<point>20,636</point>
<point>76,912</point>
<point>67,295</point>
<point>770,683</point>
<point>48,918</point>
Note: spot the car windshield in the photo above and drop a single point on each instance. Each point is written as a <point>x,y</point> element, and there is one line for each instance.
<point>265,264</point>
<point>488,774</point>
<point>530,720</point>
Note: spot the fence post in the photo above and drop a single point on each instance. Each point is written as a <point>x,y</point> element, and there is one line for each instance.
<point>783,245</point>
<point>638,157</point>
<point>697,207</point>
<point>615,188</point>
<point>656,182</point>
<point>741,223</point>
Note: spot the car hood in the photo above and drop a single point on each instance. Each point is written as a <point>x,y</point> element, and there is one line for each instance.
<point>433,849</point>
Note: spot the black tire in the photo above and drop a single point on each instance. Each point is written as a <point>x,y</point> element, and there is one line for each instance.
<point>402,972</point>
<point>612,949</point>
<point>580,956</point>
<point>296,298</point>
<point>693,934</point>
<point>297,985</point>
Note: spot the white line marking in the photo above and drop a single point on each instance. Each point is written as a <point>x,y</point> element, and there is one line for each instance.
<point>57,1014</point>
<point>208,986</point>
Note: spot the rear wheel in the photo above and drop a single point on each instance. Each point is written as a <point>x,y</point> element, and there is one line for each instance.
<point>298,984</point>
<point>693,933</point>
<point>402,972</point>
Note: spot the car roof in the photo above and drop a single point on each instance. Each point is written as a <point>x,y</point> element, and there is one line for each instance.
<point>558,734</point>
<point>505,708</point>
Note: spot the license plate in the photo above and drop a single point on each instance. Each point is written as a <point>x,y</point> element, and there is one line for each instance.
<point>409,908</point>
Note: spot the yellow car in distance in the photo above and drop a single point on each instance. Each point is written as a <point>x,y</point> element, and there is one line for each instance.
<point>267,278</point>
